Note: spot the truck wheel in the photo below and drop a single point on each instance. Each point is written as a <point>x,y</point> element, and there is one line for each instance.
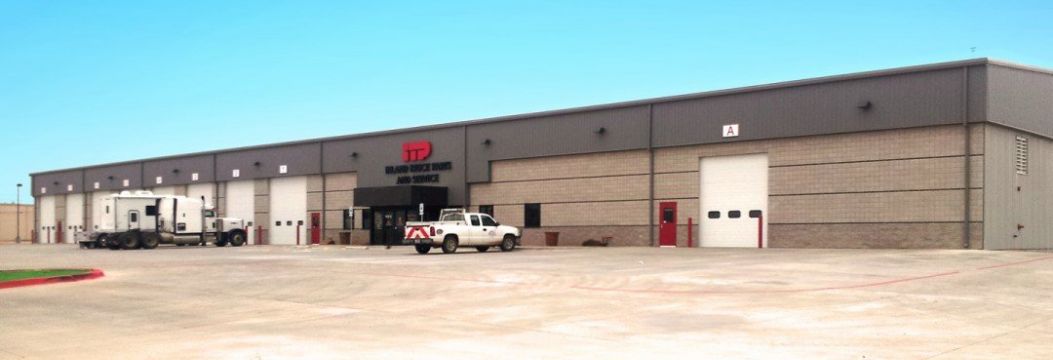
<point>509,243</point>
<point>482,248</point>
<point>151,240</point>
<point>237,238</point>
<point>423,249</point>
<point>221,243</point>
<point>110,241</point>
<point>449,245</point>
<point>129,241</point>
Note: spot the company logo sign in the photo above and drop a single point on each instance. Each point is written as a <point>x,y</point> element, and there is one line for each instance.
<point>416,151</point>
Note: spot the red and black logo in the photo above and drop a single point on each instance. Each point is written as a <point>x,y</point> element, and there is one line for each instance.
<point>416,151</point>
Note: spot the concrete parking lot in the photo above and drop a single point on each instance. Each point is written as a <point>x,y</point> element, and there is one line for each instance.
<point>337,302</point>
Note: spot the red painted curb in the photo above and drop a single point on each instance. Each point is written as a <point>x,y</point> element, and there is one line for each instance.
<point>92,274</point>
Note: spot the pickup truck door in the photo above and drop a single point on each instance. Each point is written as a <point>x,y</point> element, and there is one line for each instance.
<point>475,231</point>
<point>490,234</point>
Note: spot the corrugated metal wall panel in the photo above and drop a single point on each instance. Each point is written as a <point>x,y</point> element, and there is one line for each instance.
<point>898,101</point>
<point>301,159</point>
<point>623,129</point>
<point>179,171</point>
<point>1021,99</point>
<point>1006,207</point>
<point>57,183</point>
<point>112,178</point>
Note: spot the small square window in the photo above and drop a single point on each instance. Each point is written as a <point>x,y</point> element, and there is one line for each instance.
<point>277,223</point>
<point>755,214</point>
<point>532,215</point>
<point>713,214</point>
<point>235,173</point>
<point>151,210</point>
<point>734,214</point>
<point>288,223</point>
<point>159,180</point>
<point>193,177</point>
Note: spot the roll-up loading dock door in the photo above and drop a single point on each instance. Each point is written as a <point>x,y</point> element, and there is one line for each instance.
<point>734,201</point>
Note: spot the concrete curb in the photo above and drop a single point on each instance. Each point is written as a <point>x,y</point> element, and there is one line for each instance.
<point>91,274</point>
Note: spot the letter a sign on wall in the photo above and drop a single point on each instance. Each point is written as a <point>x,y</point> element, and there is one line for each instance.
<point>731,130</point>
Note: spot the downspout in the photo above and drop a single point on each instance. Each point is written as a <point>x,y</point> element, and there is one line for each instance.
<point>650,174</point>
<point>967,213</point>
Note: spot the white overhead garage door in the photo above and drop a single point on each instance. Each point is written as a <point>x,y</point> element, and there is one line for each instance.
<point>241,203</point>
<point>74,217</point>
<point>46,223</point>
<point>288,210</point>
<point>734,201</point>
<point>207,190</point>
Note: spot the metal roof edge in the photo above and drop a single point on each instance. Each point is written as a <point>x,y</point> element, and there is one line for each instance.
<point>582,109</point>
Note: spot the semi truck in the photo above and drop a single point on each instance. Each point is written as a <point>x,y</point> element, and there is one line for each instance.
<point>142,219</point>
<point>456,228</point>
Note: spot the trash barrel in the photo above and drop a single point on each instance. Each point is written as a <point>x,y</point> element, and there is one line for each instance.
<point>551,238</point>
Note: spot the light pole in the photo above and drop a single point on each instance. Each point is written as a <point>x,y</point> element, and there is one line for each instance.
<point>18,214</point>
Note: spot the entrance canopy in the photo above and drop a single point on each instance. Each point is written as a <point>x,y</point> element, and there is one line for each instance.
<point>388,196</point>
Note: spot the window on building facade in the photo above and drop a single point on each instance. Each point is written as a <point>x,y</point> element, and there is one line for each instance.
<point>734,214</point>
<point>532,215</point>
<point>487,209</point>
<point>714,214</point>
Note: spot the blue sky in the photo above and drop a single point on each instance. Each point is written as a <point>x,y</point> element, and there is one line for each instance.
<point>87,82</point>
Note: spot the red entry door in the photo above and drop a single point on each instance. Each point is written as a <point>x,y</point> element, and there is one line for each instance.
<point>316,228</point>
<point>667,224</point>
<point>58,232</point>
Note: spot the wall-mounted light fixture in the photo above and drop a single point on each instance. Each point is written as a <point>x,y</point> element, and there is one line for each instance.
<point>354,155</point>
<point>175,171</point>
<point>56,183</point>
<point>256,164</point>
<point>601,131</point>
<point>110,178</point>
<point>864,105</point>
<point>487,142</point>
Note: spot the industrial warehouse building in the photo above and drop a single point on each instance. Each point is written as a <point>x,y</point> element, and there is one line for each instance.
<point>950,155</point>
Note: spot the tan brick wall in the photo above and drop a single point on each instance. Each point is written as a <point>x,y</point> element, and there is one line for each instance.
<point>583,165</point>
<point>339,200</point>
<point>8,219</point>
<point>633,187</point>
<point>878,236</point>
<point>314,183</point>
<point>906,206</point>
<point>914,174</point>
<point>867,146</point>
<point>576,235</point>
<point>314,201</point>
<point>341,181</point>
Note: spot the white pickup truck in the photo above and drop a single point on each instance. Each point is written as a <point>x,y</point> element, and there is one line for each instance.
<point>456,228</point>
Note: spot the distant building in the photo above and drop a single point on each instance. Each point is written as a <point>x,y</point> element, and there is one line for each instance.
<point>8,221</point>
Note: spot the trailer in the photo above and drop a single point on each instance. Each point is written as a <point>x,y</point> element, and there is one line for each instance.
<point>141,219</point>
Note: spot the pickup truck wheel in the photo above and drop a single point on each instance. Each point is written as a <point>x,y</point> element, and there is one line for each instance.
<point>151,240</point>
<point>482,248</point>
<point>423,249</point>
<point>236,238</point>
<point>509,243</point>
<point>129,241</point>
<point>449,245</point>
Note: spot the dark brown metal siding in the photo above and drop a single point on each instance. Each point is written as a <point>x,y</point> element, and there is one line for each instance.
<point>178,171</point>
<point>623,129</point>
<point>374,153</point>
<point>898,101</point>
<point>57,183</point>
<point>302,159</point>
<point>1021,99</point>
